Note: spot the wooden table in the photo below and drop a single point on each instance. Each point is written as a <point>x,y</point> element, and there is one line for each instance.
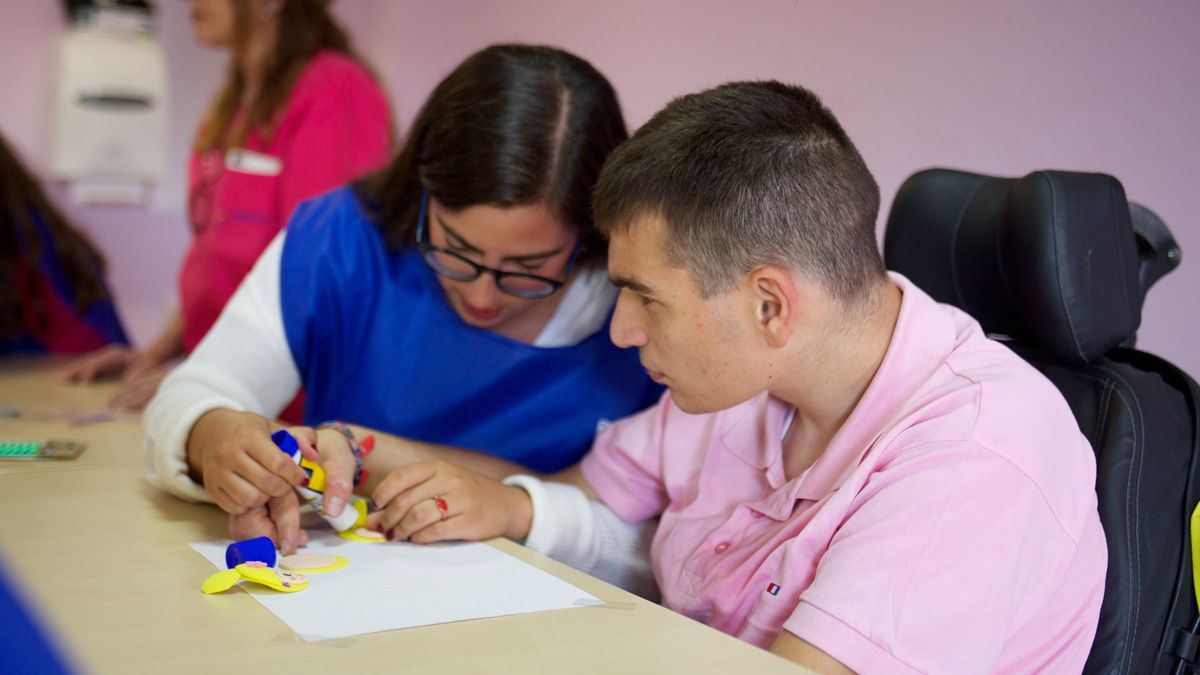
<point>103,557</point>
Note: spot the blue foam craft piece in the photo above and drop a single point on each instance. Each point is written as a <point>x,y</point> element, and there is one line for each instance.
<point>260,549</point>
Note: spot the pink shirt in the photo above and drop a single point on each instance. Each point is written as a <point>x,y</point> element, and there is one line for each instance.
<point>950,526</point>
<point>335,126</point>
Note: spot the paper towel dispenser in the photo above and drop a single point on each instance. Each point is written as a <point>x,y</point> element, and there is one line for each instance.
<point>111,108</point>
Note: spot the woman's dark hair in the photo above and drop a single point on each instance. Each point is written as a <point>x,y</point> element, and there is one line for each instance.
<point>22,200</point>
<point>305,28</point>
<point>513,125</point>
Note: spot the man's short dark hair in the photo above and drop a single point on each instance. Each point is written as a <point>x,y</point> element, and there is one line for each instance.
<point>747,174</point>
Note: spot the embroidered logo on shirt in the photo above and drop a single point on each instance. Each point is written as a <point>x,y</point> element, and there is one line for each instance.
<point>773,589</point>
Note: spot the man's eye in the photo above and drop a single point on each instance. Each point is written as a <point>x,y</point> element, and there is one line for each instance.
<point>646,302</point>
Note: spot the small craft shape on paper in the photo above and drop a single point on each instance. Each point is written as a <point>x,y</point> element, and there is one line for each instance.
<point>363,535</point>
<point>257,572</point>
<point>258,549</point>
<point>311,563</point>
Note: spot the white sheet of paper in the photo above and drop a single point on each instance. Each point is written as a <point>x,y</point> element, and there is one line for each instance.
<point>400,585</point>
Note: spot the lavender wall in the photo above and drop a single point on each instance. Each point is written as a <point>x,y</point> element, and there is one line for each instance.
<point>1102,85</point>
<point>1096,85</point>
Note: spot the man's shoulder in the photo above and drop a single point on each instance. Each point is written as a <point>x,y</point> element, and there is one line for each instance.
<point>985,399</point>
<point>1017,409</point>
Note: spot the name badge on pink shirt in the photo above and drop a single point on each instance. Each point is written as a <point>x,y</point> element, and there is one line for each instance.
<point>256,163</point>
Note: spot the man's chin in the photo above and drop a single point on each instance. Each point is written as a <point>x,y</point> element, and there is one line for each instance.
<point>689,405</point>
<point>701,405</point>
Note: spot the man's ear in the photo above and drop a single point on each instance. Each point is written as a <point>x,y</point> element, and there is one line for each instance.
<point>777,303</point>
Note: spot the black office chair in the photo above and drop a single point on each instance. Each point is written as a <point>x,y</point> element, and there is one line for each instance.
<point>1057,264</point>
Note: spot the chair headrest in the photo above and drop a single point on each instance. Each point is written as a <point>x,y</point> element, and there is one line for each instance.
<point>1049,259</point>
<point>1158,253</point>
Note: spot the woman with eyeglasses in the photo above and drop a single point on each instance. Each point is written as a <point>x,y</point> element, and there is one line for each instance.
<point>456,300</point>
<point>299,115</point>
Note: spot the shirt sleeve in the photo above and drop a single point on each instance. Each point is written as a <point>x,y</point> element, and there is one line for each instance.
<point>339,129</point>
<point>244,364</point>
<point>931,566</point>
<point>588,536</point>
<point>625,464</point>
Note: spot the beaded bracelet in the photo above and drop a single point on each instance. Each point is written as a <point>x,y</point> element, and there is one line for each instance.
<point>360,451</point>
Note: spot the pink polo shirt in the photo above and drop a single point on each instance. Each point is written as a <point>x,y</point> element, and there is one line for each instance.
<point>949,527</point>
<point>334,127</point>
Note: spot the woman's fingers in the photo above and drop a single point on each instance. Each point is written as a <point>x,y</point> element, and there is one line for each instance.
<point>285,515</point>
<point>89,367</point>
<point>136,393</point>
<point>402,480</point>
<point>338,462</point>
<point>423,514</point>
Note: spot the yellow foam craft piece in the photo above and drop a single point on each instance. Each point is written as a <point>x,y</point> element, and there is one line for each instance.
<point>353,535</point>
<point>1196,553</point>
<point>360,506</point>
<point>279,580</point>
<point>316,478</point>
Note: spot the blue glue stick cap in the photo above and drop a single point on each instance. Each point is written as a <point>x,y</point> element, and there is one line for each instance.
<point>260,549</point>
<point>285,442</point>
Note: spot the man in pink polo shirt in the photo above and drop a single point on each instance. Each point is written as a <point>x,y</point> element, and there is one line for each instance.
<point>844,471</point>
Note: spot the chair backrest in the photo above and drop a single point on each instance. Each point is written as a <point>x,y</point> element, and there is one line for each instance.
<point>1057,264</point>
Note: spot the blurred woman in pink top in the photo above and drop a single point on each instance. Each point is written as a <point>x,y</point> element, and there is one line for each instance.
<point>299,114</point>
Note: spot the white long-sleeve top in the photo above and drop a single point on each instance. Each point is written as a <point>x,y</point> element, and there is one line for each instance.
<point>245,363</point>
<point>589,536</point>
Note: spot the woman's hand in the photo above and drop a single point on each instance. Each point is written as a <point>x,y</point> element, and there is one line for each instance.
<point>410,500</point>
<point>278,519</point>
<point>138,388</point>
<point>140,373</point>
<point>231,453</point>
<point>108,361</point>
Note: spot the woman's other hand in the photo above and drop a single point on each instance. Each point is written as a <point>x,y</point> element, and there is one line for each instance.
<point>108,361</point>
<point>437,501</point>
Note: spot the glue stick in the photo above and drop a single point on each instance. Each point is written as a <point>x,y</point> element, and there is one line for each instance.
<point>313,493</point>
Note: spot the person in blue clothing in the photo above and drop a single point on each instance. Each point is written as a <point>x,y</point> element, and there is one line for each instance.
<point>53,296</point>
<point>456,301</point>
<point>27,646</point>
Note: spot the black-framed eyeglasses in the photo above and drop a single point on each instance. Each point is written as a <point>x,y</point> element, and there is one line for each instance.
<point>459,268</point>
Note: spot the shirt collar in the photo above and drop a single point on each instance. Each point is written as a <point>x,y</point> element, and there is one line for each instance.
<point>924,335</point>
<point>754,436</point>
